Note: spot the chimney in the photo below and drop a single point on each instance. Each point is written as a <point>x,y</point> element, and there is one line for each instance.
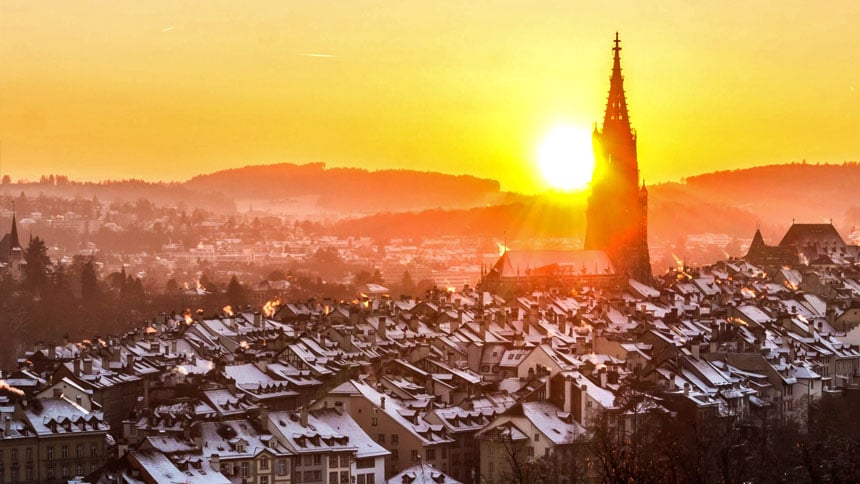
<point>567,403</point>
<point>264,417</point>
<point>696,350</point>
<point>603,378</point>
<point>215,462</point>
<point>303,417</point>
<point>482,329</point>
<point>7,425</point>
<point>88,365</point>
<point>533,314</point>
<point>58,392</point>
<point>258,319</point>
<point>382,402</point>
<point>562,325</point>
<point>77,366</point>
<point>173,345</point>
<point>129,364</point>
<point>583,400</point>
<point>381,329</point>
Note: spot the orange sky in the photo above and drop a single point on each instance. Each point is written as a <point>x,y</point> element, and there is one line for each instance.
<point>166,89</point>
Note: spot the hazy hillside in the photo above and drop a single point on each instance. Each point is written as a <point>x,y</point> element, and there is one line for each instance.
<point>351,190</point>
<point>404,203</point>
<point>731,202</point>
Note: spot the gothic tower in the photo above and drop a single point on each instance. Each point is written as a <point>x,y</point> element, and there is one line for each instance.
<point>617,216</point>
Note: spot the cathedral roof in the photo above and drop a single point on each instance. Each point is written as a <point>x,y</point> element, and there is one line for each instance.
<point>524,263</point>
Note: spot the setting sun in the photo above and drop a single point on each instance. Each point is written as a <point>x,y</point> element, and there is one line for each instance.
<point>565,158</point>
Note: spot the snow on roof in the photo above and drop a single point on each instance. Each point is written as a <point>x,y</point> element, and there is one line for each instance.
<point>422,473</point>
<point>643,289</point>
<point>546,418</point>
<point>161,469</point>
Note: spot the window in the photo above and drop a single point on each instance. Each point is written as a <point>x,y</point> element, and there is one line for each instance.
<point>344,477</point>
<point>243,469</point>
<point>65,473</point>
<point>51,470</point>
<point>80,469</point>
<point>431,454</point>
<point>282,467</point>
<point>415,456</point>
<point>50,453</point>
<point>29,454</point>
<point>530,451</point>
<point>364,463</point>
<point>14,455</point>
<point>79,450</point>
<point>317,459</point>
<point>28,473</point>
<point>14,475</point>
<point>264,464</point>
<point>374,421</point>
<point>394,438</point>
<point>344,460</point>
<point>332,477</point>
<point>308,460</point>
<point>298,477</point>
<point>64,451</point>
<point>264,479</point>
<point>381,438</point>
<point>94,449</point>
<point>332,461</point>
<point>444,452</point>
<point>395,455</point>
<point>537,437</point>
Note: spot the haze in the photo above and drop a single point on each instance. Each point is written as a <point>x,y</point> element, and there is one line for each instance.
<point>164,90</point>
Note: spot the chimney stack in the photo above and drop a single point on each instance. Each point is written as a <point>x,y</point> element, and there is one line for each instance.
<point>382,402</point>
<point>381,328</point>
<point>88,365</point>
<point>303,417</point>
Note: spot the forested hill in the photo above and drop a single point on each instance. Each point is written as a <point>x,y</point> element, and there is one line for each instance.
<point>732,202</point>
<point>350,189</point>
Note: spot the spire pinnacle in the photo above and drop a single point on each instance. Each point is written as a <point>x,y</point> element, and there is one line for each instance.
<point>616,117</point>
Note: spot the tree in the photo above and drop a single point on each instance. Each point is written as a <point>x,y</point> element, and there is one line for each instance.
<point>90,290</point>
<point>35,273</point>
<point>407,284</point>
<point>276,275</point>
<point>236,293</point>
<point>172,287</point>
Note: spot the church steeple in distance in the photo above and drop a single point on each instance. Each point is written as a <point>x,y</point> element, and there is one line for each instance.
<point>617,208</point>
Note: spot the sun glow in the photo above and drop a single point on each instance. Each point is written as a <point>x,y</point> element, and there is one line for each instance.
<point>565,158</point>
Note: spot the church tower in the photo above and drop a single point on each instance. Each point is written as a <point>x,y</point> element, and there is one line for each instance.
<point>617,216</point>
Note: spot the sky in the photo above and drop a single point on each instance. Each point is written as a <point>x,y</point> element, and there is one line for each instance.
<point>165,90</point>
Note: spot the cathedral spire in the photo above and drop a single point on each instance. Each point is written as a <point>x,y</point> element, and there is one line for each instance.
<point>616,118</point>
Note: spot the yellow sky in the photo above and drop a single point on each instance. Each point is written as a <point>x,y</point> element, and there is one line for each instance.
<point>169,89</point>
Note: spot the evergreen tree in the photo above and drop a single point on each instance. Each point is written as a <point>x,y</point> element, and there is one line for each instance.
<point>236,294</point>
<point>90,290</point>
<point>35,273</point>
